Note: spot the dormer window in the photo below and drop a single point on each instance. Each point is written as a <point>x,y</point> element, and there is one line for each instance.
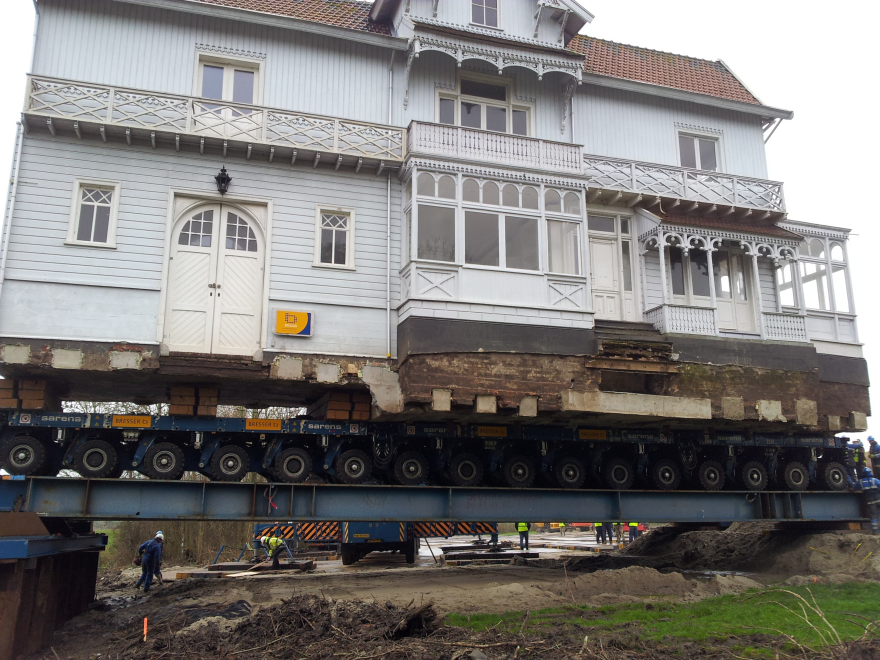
<point>484,105</point>
<point>484,12</point>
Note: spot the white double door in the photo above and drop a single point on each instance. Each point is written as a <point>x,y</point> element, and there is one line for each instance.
<point>733,289</point>
<point>215,282</point>
<point>611,283</point>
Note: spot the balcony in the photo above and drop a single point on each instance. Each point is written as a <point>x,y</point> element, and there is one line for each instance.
<point>697,320</point>
<point>114,111</point>
<point>681,190</point>
<point>458,143</point>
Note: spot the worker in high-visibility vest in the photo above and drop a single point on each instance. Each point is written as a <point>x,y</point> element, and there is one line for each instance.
<point>633,531</point>
<point>523,529</point>
<point>600,533</point>
<point>273,545</point>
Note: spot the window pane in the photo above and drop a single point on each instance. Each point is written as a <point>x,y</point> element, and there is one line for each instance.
<point>86,220</point>
<point>520,122</point>
<point>838,279</point>
<point>815,284</point>
<point>686,147</point>
<point>836,252</point>
<point>721,268</point>
<point>491,16</point>
<point>471,115</point>
<point>627,266</point>
<point>708,160</point>
<point>530,198</point>
<point>699,273</point>
<point>785,284</point>
<point>243,86</point>
<point>426,185</point>
<point>326,246</point>
<point>481,238</point>
<point>477,15</point>
<point>490,193</point>
<point>572,205</point>
<point>552,202</point>
<point>817,248</point>
<point>496,119</point>
<point>447,111</point>
<point>483,90</point>
<point>739,276</point>
<point>624,225</point>
<point>436,233</point>
<point>212,82</point>
<point>470,191</point>
<point>600,223</point>
<point>510,195</point>
<point>521,243</point>
<point>102,224</point>
<point>446,187</point>
<point>563,247</point>
<point>339,251</point>
<point>407,238</point>
<point>677,271</point>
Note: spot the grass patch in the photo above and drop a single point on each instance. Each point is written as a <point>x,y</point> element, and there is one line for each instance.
<point>753,613</point>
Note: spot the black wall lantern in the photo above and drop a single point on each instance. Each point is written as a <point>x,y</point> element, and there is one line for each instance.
<point>223,180</point>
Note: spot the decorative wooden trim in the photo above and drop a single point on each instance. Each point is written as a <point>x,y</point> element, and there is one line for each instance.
<point>235,52</point>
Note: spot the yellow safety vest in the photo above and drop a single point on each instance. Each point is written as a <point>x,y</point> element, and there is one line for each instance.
<point>522,527</point>
<point>634,524</point>
<point>271,541</point>
<point>597,524</point>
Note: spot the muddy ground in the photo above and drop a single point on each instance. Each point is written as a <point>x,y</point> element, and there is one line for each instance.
<point>386,609</point>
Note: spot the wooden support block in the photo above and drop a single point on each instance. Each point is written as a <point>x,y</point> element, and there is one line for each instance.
<point>7,385</point>
<point>359,416</point>
<point>180,390</point>
<point>361,407</point>
<point>338,405</point>
<point>207,400</point>
<point>337,414</point>
<point>207,411</point>
<point>338,396</point>
<point>174,409</point>
<point>9,403</point>
<point>179,400</point>
<point>33,404</point>
<point>33,385</point>
<point>362,397</point>
<point>209,391</point>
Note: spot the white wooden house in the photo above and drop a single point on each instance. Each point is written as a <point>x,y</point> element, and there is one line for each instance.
<point>479,174</point>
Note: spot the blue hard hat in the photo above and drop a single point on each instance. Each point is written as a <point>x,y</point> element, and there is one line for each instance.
<point>866,473</point>
<point>871,439</point>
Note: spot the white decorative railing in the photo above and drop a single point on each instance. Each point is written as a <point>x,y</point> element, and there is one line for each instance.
<point>785,327</point>
<point>693,185</point>
<point>683,319</point>
<point>486,146</point>
<point>105,105</point>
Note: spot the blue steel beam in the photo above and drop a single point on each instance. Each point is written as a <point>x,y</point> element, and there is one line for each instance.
<point>25,547</point>
<point>142,499</point>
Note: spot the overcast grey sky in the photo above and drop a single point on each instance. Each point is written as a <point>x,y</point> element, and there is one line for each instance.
<point>816,59</point>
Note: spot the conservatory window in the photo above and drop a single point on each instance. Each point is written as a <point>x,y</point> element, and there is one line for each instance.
<point>436,233</point>
<point>563,247</point>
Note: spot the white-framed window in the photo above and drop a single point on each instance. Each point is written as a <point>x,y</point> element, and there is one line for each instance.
<point>334,237</point>
<point>485,12</point>
<point>824,279</point>
<point>699,152</point>
<point>563,247</point>
<point>484,103</point>
<point>94,211</point>
<point>229,80</point>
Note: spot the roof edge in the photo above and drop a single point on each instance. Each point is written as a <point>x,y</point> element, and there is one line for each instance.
<point>274,20</point>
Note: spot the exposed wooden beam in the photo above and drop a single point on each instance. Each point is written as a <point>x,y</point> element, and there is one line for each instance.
<point>128,136</point>
<point>745,214</point>
<point>153,138</point>
<point>380,168</point>
<point>338,163</point>
<point>690,207</point>
<point>615,198</point>
<point>250,149</point>
<point>653,203</point>
<point>293,157</point>
<point>593,195</point>
<point>357,168</point>
<point>177,142</point>
<point>225,147</point>
<point>76,130</point>
<point>634,200</point>
<point>730,209</point>
<point>317,159</point>
<point>202,146</point>
<point>763,216</point>
<point>271,154</point>
<point>50,126</point>
<point>103,130</point>
<point>711,209</point>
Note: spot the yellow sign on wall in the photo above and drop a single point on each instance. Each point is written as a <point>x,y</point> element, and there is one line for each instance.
<point>262,424</point>
<point>592,434</point>
<point>132,421</point>
<point>293,322</point>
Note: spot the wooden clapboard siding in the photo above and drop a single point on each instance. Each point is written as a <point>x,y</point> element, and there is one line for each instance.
<point>767,279</point>
<point>610,122</point>
<point>654,294</point>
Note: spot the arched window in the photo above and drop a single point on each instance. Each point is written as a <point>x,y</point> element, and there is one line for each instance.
<point>197,232</point>
<point>470,191</point>
<point>817,248</point>
<point>426,185</point>
<point>239,236</point>
<point>510,195</point>
<point>446,188</point>
<point>530,198</point>
<point>552,202</point>
<point>837,252</point>
<point>572,205</point>
<point>490,193</point>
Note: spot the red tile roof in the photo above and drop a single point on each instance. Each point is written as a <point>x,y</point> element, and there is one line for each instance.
<point>340,13</point>
<point>731,224</point>
<point>607,58</point>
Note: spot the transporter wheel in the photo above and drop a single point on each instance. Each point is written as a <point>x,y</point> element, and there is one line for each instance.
<point>834,477</point>
<point>353,467</point>
<point>411,551</point>
<point>796,476</point>
<point>23,455</point>
<point>466,470</point>
<point>711,475</point>
<point>349,554</point>
<point>754,476</point>
<point>619,473</point>
<point>164,460</point>
<point>666,474</point>
<point>292,465</point>
<point>95,459</point>
<point>518,471</point>
<point>570,472</point>
<point>230,463</point>
<point>411,468</point>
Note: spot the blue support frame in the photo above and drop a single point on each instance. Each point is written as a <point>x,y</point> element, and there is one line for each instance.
<point>142,499</point>
<point>25,547</point>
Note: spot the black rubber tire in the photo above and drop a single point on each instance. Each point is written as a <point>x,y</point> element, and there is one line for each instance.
<point>23,455</point>
<point>350,555</point>
<point>796,476</point>
<point>666,474</point>
<point>164,460</point>
<point>519,471</point>
<point>95,459</point>
<point>353,467</point>
<point>570,472</point>
<point>411,468</point>
<point>711,475</point>
<point>410,551</point>
<point>753,476</point>
<point>466,470</point>
<point>619,473</point>
<point>230,463</point>
<point>835,477</point>
<point>292,465</point>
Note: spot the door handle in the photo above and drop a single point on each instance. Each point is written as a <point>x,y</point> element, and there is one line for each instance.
<point>212,286</point>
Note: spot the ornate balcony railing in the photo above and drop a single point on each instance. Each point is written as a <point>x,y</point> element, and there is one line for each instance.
<point>485,146</point>
<point>683,319</point>
<point>694,185</point>
<point>107,106</point>
<point>785,327</point>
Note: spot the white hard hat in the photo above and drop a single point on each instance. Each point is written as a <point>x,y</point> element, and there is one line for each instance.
<point>160,535</point>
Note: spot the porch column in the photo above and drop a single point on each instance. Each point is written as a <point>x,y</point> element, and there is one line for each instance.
<point>758,300</point>
<point>709,251</point>
<point>664,309</point>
